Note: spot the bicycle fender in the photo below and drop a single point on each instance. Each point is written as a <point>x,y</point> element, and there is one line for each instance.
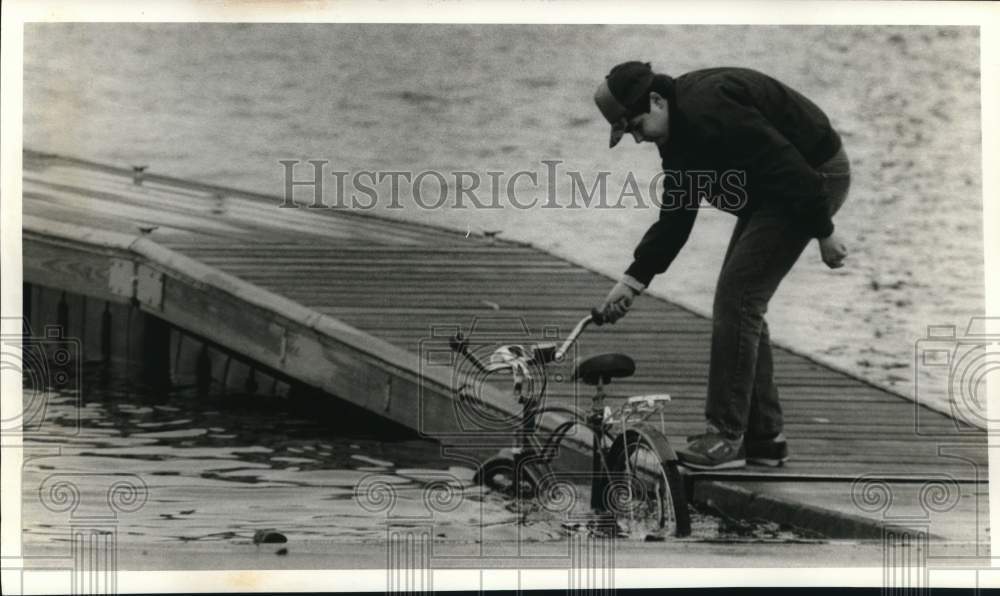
<point>652,435</point>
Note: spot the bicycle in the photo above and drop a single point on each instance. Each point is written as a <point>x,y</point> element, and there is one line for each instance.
<point>634,475</point>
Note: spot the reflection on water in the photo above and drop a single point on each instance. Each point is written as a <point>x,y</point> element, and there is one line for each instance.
<point>220,468</point>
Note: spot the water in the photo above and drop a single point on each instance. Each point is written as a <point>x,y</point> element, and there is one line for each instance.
<point>224,103</point>
<point>218,469</point>
<point>223,467</point>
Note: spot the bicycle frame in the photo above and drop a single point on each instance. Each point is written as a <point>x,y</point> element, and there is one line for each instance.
<point>525,451</point>
<point>527,465</point>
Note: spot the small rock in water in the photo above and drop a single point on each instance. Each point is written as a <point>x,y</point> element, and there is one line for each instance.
<point>281,552</point>
<point>268,537</point>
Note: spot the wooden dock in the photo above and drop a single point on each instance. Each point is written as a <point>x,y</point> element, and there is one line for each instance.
<point>359,306</point>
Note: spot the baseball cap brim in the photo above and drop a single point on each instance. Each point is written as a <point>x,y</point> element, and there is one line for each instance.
<point>614,112</point>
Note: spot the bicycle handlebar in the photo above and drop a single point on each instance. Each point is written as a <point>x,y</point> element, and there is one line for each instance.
<point>542,354</point>
<point>596,317</point>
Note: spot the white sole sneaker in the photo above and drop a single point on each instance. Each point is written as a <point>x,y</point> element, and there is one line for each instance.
<point>773,463</point>
<point>729,465</point>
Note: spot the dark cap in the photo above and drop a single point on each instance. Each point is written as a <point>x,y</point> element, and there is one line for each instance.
<point>624,86</point>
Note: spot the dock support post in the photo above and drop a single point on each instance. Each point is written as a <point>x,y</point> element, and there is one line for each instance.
<point>203,371</point>
<point>62,314</point>
<point>82,327</point>
<point>251,383</point>
<point>106,333</point>
<point>225,375</point>
<point>156,353</point>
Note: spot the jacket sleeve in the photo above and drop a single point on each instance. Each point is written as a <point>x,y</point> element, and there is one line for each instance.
<point>774,166</point>
<point>663,240</point>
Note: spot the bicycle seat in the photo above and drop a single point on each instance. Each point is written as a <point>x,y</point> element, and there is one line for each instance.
<point>603,368</point>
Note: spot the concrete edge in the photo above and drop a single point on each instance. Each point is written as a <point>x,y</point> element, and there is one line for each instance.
<point>733,500</point>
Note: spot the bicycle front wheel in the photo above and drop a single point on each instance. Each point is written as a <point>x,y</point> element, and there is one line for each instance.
<point>644,490</point>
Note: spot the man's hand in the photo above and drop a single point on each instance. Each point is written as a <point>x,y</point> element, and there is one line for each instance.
<point>833,250</point>
<point>620,298</point>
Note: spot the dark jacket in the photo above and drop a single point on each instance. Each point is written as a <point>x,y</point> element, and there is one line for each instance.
<point>754,141</point>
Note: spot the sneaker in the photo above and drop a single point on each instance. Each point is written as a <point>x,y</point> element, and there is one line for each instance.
<point>712,451</point>
<point>710,429</point>
<point>768,452</point>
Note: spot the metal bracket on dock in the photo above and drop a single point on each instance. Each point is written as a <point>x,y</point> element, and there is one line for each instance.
<point>149,287</point>
<point>284,346</point>
<point>134,281</point>
<point>121,278</point>
<point>387,403</point>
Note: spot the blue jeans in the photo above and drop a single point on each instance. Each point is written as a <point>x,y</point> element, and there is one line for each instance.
<point>742,396</point>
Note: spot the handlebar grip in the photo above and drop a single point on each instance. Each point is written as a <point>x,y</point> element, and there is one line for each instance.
<point>597,316</point>
<point>458,343</point>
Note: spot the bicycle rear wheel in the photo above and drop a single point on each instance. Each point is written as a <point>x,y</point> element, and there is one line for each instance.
<point>644,491</point>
